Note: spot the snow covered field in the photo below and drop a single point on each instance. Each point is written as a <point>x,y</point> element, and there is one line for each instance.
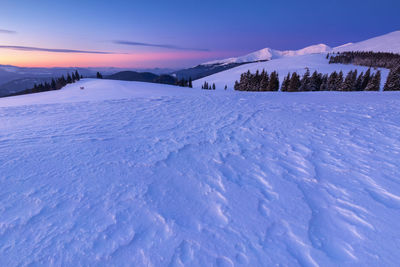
<point>125,173</point>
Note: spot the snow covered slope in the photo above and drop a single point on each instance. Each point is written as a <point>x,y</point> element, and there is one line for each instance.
<point>133,174</point>
<point>268,54</point>
<point>283,66</point>
<point>385,43</point>
<point>96,90</point>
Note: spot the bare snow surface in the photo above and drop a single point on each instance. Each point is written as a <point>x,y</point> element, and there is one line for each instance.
<point>125,173</point>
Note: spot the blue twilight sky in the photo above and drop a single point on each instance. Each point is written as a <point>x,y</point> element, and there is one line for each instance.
<point>180,33</point>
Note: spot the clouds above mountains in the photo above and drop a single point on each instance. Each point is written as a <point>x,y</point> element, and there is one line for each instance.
<point>166,46</point>
<point>7,31</point>
<point>52,50</point>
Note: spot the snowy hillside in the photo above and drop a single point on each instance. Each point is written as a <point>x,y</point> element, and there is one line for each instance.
<point>283,66</point>
<point>312,57</point>
<point>134,174</point>
<point>385,43</point>
<point>268,54</point>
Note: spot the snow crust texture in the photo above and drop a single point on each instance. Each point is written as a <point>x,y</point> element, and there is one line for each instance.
<point>199,178</point>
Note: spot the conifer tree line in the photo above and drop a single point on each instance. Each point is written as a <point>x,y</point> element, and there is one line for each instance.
<point>258,81</point>
<point>374,59</point>
<point>207,86</point>
<point>55,84</point>
<point>311,82</point>
<point>333,82</point>
<point>185,83</point>
<point>368,59</point>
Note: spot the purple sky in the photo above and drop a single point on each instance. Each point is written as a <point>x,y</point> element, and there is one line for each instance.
<point>178,33</point>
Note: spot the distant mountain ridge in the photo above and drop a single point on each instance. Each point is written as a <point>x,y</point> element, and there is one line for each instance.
<point>142,77</point>
<point>14,79</point>
<point>269,54</point>
<point>385,43</point>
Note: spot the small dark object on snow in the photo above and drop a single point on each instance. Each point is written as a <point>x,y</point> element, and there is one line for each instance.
<point>82,87</point>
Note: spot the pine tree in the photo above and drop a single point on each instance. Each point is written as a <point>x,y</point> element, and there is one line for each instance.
<point>236,87</point>
<point>366,78</point>
<point>99,76</point>
<point>273,82</point>
<point>77,75</point>
<point>213,86</point>
<point>374,83</point>
<point>63,81</point>
<point>305,81</point>
<point>393,80</point>
<point>190,82</point>
<point>332,81</point>
<point>315,81</point>
<point>324,83</point>
<point>226,87</point>
<point>69,79</point>
<point>339,81</point>
<point>359,81</point>
<point>53,84</point>
<point>285,83</point>
<point>47,86</point>
<point>247,81</point>
<point>264,83</point>
<point>295,83</point>
<point>347,85</point>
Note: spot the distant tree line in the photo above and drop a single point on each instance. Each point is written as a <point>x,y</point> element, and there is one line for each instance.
<point>258,81</point>
<point>55,84</point>
<point>368,59</point>
<point>373,59</point>
<point>333,82</point>
<point>184,83</point>
<point>207,86</point>
<point>315,82</point>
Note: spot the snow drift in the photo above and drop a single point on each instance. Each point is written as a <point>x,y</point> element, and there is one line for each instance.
<point>127,173</point>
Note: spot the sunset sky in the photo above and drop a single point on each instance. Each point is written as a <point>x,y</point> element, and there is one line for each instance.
<point>143,34</point>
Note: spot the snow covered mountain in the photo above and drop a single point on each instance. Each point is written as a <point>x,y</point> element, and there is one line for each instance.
<point>268,54</point>
<point>312,57</point>
<point>139,174</point>
<point>385,43</point>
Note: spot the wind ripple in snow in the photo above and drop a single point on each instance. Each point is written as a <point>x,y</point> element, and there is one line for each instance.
<point>226,179</point>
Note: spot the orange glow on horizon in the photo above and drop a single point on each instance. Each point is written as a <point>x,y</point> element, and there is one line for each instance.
<point>133,60</point>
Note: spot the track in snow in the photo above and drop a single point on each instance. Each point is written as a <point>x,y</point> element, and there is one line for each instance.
<point>199,179</point>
